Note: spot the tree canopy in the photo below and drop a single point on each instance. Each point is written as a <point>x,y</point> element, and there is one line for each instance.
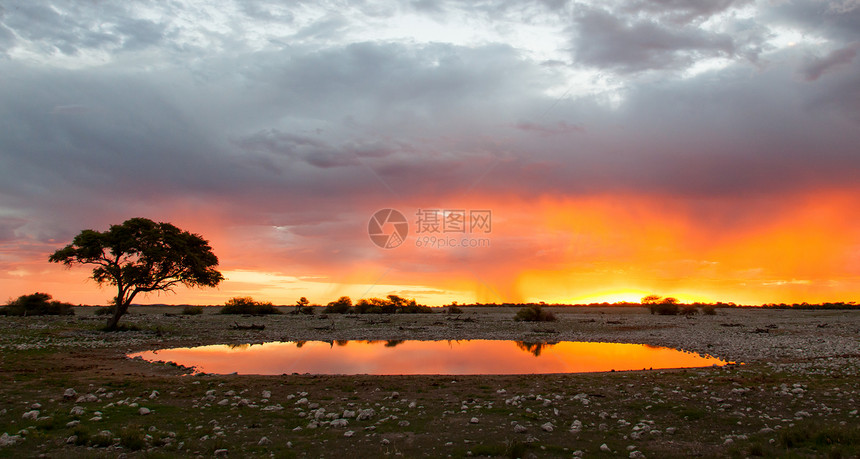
<point>142,256</point>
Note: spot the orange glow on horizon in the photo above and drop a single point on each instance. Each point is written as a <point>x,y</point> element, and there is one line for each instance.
<point>555,249</point>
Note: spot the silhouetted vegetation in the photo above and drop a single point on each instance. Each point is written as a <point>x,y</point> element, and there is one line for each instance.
<point>303,306</point>
<point>804,305</point>
<point>105,310</point>
<point>37,304</point>
<point>393,304</point>
<point>341,306</point>
<point>668,306</point>
<point>534,313</point>
<point>192,310</point>
<point>142,256</point>
<point>247,305</point>
<point>453,309</point>
<point>534,348</point>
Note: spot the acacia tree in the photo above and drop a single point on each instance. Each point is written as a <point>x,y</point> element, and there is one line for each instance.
<point>141,256</point>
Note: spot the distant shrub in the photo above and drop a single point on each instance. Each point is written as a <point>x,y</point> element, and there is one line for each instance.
<point>453,309</point>
<point>689,310</point>
<point>303,306</point>
<point>341,306</point>
<point>37,304</point>
<point>534,313</point>
<point>105,311</point>
<point>391,305</point>
<point>247,305</point>
<point>709,310</point>
<point>665,309</point>
<point>664,306</point>
<point>192,310</point>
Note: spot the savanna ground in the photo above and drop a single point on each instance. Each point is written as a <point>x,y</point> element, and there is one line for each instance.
<point>796,395</point>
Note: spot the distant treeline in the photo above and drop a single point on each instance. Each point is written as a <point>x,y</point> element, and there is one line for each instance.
<point>626,304</point>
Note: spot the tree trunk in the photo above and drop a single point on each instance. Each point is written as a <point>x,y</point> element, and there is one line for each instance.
<point>120,310</point>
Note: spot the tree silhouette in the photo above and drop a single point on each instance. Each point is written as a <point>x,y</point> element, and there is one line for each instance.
<point>142,256</point>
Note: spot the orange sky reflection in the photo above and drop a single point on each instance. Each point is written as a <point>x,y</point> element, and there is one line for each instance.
<point>428,357</point>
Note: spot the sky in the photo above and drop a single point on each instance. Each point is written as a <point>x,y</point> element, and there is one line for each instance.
<point>705,150</point>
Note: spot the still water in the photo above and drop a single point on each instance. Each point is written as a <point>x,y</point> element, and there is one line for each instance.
<point>468,357</point>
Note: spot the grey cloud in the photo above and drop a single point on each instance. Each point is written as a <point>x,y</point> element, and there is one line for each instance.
<point>830,19</point>
<point>815,67</point>
<point>606,40</point>
<point>683,11</point>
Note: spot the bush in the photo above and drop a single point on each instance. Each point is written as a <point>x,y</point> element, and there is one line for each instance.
<point>105,311</point>
<point>665,309</point>
<point>393,304</point>
<point>534,313</point>
<point>247,305</point>
<point>689,310</point>
<point>341,306</point>
<point>37,304</point>
<point>192,310</point>
<point>709,310</point>
<point>453,309</point>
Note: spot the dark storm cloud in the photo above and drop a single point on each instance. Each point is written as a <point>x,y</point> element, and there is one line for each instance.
<point>629,45</point>
<point>317,130</point>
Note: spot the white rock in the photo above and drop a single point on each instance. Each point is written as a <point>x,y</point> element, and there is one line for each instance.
<point>339,423</point>
<point>474,420</point>
<point>77,411</point>
<point>221,453</point>
<point>636,455</point>
<point>89,398</point>
<point>386,441</point>
<point>349,414</point>
<point>143,411</point>
<point>69,394</point>
<point>365,414</point>
<point>31,415</point>
<point>348,433</point>
<point>547,427</point>
<point>520,429</point>
<point>153,395</point>
<point>264,441</point>
<point>267,394</point>
<point>605,448</point>
<point>8,440</point>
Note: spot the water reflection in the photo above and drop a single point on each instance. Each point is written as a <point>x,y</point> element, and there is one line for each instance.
<point>427,357</point>
<point>533,348</point>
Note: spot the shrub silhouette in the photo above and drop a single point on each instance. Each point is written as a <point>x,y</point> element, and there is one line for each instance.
<point>247,305</point>
<point>192,310</point>
<point>341,306</point>
<point>303,306</point>
<point>689,310</point>
<point>391,305</point>
<point>37,304</point>
<point>664,306</point>
<point>534,313</point>
<point>709,310</point>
